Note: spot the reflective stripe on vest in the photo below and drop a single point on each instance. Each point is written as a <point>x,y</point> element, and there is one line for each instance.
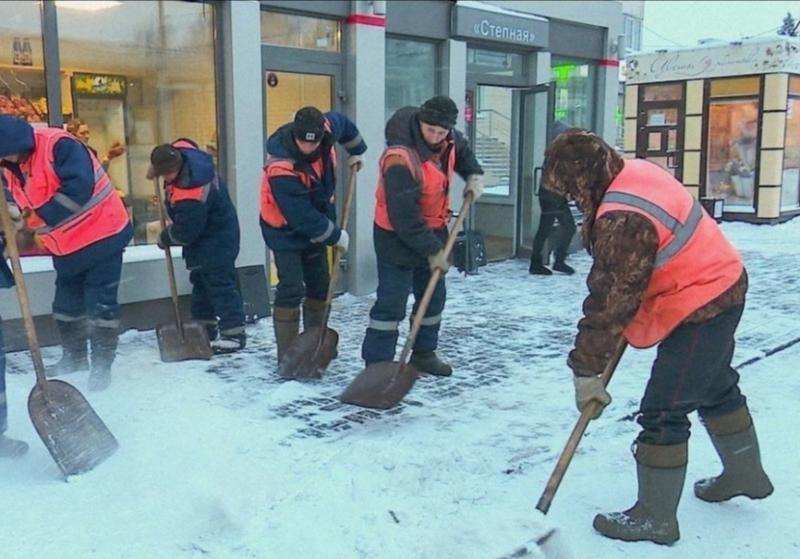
<point>191,193</point>
<point>682,232</point>
<point>94,201</point>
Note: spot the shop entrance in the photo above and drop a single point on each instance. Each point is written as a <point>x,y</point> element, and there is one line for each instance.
<point>502,136</point>
<point>660,126</point>
<point>285,91</point>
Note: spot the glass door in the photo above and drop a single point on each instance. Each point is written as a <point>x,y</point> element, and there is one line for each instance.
<point>660,126</point>
<point>495,140</point>
<point>285,93</point>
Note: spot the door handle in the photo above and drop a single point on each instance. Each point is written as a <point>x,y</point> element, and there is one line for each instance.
<point>674,158</point>
<point>537,176</point>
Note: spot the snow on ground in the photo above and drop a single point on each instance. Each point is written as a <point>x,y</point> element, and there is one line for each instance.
<point>223,460</point>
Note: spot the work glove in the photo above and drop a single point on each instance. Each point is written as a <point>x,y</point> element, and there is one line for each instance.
<point>355,162</point>
<point>163,240</point>
<point>344,241</point>
<point>475,186</point>
<point>588,389</point>
<point>438,260</point>
<point>17,218</point>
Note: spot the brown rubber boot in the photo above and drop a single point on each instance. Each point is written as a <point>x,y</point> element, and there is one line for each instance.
<point>286,322</point>
<point>313,313</point>
<point>661,471</point>
<point>428,362</point>
<point>734,437</point>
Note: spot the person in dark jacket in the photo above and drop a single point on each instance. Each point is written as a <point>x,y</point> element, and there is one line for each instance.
<point>554,208</point>
<point>663,274</point>
<point>298,214</point>
<point>204,223</point>
<point>75,213</point>
<point>9,448</point>
<point>411,215</point>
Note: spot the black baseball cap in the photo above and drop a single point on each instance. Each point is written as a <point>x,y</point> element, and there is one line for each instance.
<point>164,159</point>
<point>309,124</point>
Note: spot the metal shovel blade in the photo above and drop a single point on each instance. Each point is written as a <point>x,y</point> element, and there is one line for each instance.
<point>193,344</point>
<point>381,385</point>
<point>73,433</point>
<point>310,354</point>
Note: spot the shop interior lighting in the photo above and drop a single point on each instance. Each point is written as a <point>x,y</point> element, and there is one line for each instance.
<point>88,5</point>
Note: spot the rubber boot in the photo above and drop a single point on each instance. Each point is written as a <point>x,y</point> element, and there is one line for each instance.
<point>661,471</point>
<point>563,267</point>
<point>229,341</point>
<point>734,438</point>
<point>12,448</point>
<point>537,268</point>
<point>74,336</point>
<point>429,362</point>
<point>286,322</point>
<point>104,349</point>
<point>313,313</point>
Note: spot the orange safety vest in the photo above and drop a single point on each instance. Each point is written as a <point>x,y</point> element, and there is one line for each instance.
<point>433,181</point>
<point>694,264</point>
<point>103,216</point>
<point>197,193</point>
<point>284,167</point>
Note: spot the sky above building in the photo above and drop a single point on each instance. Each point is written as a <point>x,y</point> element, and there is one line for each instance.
<point>669,24</point>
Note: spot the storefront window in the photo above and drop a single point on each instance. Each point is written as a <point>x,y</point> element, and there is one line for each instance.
<point>410,73</point>
<point>790,197</point>
<point>22,86</point>
<point>575,92</point>
<point>732,151</point>
<point>134,75</point>
<point>495,63</point>
<point>300,32</point>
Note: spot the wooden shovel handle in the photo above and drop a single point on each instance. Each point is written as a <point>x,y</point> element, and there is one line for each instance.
<point>22,292</point>
<point>431,287</point>
<point>337,253</point>
<point>173,287</point>
<point>577,433</point>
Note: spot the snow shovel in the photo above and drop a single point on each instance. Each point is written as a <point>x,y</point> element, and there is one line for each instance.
<point>312,351</point>
<point>73,433</point>
<point>577,433</point>
<point>183,340</point>
<point>382,385</point>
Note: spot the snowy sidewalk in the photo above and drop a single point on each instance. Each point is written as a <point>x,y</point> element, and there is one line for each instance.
<point>225,460</point>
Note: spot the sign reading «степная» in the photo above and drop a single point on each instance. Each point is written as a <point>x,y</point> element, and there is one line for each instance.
<point>500,26</point>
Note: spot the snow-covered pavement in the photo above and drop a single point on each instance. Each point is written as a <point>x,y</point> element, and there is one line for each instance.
<point>223,460</point>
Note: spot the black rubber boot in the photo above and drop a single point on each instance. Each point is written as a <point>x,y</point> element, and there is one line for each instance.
<point>537,268</point>
<point>12,448</point>
<point>563,267</point>
<point>742,473</point>
<point>313,313</point>
<point>661,471</point>
<point>428,362</point>
<point>286,322</point>
<point>229,341</point>
<point>74,337</point>
<point>104,350</point>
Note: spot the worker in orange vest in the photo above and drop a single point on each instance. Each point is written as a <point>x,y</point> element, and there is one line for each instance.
<point>75,213</point>
<point>412,211</point>
<point>663,274</point>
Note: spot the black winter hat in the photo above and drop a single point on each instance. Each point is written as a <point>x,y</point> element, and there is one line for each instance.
<point>164,159</point>
<point>309,124</point>
<point>439,111</point>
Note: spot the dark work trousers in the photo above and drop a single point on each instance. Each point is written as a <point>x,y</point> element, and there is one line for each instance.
<point>692,371</point>
<point>394,285</point>
<point>3,405</point>
<point>90,292</point>
<point>215,296</point>
<point>301,273</point>
<point>554,207</point>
